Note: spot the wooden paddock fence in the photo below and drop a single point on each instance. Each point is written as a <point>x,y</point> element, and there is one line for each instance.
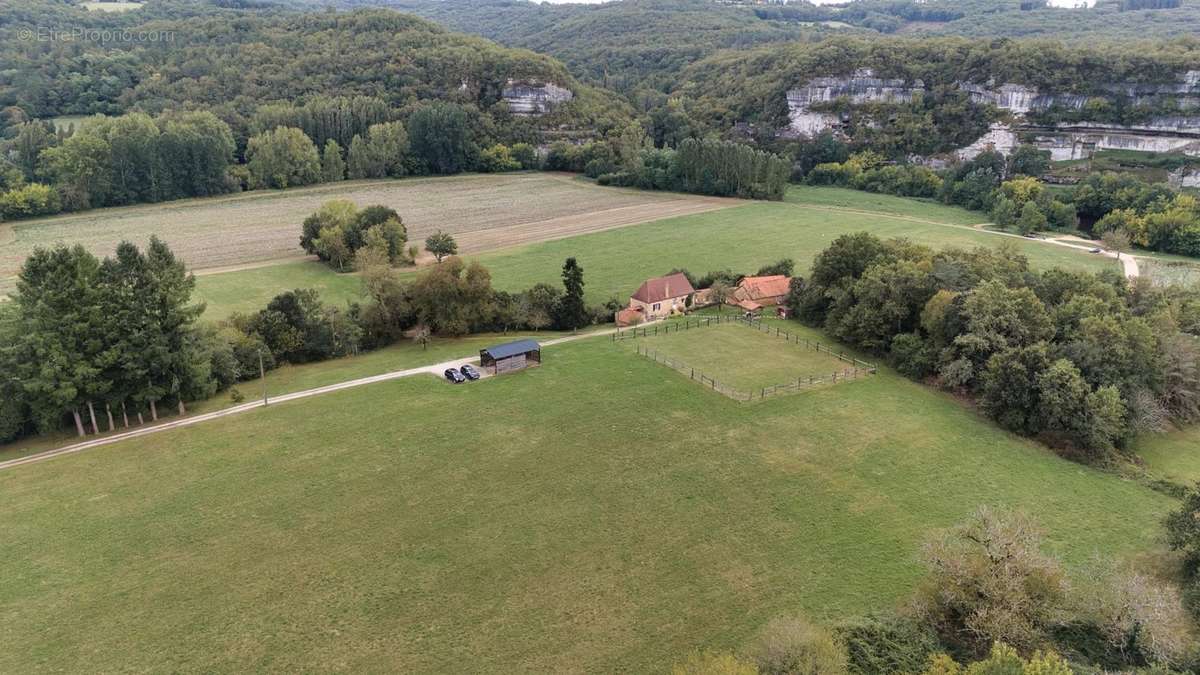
<point>855,368</point>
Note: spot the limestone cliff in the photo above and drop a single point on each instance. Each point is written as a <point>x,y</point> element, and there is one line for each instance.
<point>1176,133</point>
<point>529,97</point>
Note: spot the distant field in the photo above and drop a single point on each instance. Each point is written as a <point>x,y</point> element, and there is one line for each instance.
<point>597,514</point>
<point>483,212</point>
<point>742,239</point>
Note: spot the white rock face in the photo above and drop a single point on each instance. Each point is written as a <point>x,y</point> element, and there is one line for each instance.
<point>1077,143</point>
<point>534,98</point>
<point>1068,141</point>
<point>1000,137</point>
<point>1184,178</point>
<point>1019,99</point>
<point>861,87</point>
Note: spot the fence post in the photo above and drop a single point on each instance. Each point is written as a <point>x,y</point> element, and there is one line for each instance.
<point>835,377</point>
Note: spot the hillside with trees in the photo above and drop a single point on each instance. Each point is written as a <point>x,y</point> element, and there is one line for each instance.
<point>232,58</point>
<point>637,46</point>
<point>751,86</point>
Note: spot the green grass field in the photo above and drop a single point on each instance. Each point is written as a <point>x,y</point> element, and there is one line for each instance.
<point>250,290</point>
<point>743,238</point>
<point>745,358</point>
<point>1174,456</point>
<point>599,513</point>
<point>292,378</point>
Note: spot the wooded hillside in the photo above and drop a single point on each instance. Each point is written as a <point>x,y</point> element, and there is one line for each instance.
<point>232,60</point>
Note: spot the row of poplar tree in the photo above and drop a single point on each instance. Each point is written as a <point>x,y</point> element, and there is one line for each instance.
<point>101,341</point>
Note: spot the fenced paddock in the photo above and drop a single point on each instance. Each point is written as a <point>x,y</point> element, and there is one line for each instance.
<point>743,359</point>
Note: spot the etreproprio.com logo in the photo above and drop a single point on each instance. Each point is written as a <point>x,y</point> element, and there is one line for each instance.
<point>99,35</point>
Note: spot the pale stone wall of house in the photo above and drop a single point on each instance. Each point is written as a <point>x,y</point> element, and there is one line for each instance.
<point>678,304</point>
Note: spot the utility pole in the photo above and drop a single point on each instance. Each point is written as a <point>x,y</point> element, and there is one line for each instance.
<point>262,374</point>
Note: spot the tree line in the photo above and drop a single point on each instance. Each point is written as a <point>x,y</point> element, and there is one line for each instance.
<point>1084,362</point>
<point>106,344</point>
<point>136,158</point>
<point>100,341</point>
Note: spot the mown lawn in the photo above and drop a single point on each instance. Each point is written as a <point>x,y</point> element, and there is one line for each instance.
<point>596,514</point>
<point>743,239</point>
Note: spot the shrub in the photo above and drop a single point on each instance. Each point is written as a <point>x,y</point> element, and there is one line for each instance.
<point>525,155</point>
<point>497,159</point>
<point>795,646</point>
<point>889,644</point>
<point>989,581</point>
<point>28,201</point>
<point>831,173</point>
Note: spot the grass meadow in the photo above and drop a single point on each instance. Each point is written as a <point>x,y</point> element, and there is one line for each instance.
<point>744,357</point>
<point>292,378</point>
<point>616,261</point>
<point>1174,456</point>
<point>599,513</point>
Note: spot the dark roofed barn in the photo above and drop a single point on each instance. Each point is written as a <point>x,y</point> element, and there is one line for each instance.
<point>510,356</point>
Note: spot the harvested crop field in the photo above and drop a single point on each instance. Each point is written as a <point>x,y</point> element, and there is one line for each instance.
<point>483,212</point>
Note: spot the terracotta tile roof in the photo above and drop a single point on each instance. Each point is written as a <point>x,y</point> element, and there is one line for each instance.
<point>664,288</point>
<point>757,288</point>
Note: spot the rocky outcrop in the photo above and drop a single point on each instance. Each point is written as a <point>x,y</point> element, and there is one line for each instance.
<point>1000,137</point>
<point>1180,133</point>
<point>1067,142</point>
<point>861,87</point>
<point>527,97</point>
<point>1184,178</point>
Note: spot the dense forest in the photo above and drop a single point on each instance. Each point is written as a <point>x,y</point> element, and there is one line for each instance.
<point>637,46</point>
<point>232,60</point>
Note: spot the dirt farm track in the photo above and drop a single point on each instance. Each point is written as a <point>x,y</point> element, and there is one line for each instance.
<point>483,212</point>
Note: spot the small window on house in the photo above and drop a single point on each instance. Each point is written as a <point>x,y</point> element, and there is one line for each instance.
<point>657,306</point>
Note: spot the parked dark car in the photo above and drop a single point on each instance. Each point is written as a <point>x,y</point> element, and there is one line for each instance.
<point>469,372</point>
<point>454,376</point>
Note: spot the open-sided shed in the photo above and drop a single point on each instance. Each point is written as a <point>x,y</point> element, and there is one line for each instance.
<point>510,356</point>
